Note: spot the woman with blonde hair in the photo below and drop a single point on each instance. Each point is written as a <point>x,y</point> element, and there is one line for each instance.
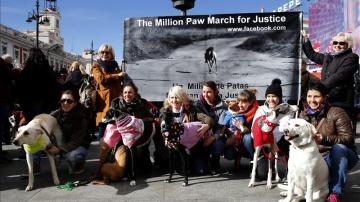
<point>109,80</point>
<point>74,79</point>
<point>338,68</point>
<point>179,107</point>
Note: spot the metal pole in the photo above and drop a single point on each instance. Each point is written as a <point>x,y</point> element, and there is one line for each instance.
<point>92,52</point>
<point>37,23</point>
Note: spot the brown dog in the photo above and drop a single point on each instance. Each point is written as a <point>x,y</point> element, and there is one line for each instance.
<point>112,171</point>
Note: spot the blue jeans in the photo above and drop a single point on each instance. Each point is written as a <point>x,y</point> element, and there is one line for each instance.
<point>339,160</point>
<point>249,144</point>
<point>76,156</point>
<point>218,148</point>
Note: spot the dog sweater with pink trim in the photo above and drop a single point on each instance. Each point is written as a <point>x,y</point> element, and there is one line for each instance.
<point>131,130</point>
<point>261,137</point>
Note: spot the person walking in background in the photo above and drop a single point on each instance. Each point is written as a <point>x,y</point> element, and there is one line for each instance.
<point>334,137</point>
<point>339,66</point>
<point>74,125</point>
<point>211,104</point>
<point>109,81</point>
<point>36,86</point>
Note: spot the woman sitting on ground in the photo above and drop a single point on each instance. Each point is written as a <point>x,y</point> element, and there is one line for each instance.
<point>334,137</point>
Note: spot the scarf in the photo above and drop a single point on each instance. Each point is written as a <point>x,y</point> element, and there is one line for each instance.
<point>249,115</point>
<point>108,66</point>
<point>313,112</point>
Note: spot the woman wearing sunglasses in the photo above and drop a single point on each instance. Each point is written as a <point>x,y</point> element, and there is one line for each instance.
<point>109,80</point>
<point>338,68</point>
<point>73,123</point>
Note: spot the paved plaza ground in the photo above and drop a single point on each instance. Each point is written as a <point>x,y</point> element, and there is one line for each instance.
<point>228,186</point>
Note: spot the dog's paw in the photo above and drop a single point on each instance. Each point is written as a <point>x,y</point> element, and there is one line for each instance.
<point>269,185</point>
<point>56,181</point>
<point>277,178</point>
<point>132,183</point>
<point>184,184</point>
<point>285,200</point>
<point>167,181</point>
<point>251,183</point>
<point>29,188</point>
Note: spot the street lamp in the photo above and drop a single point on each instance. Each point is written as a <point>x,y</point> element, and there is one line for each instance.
<point>183,5</point>
<point>37,17</point>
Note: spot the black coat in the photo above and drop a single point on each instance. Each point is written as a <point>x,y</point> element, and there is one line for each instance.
<point>74,126</point>
<point>337,74</point>
<point>139,108</point>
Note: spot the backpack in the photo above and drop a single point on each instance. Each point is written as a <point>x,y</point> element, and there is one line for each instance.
<point>87,93</point>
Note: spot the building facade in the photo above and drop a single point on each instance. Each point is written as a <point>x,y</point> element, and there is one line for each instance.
<point>18,44</point>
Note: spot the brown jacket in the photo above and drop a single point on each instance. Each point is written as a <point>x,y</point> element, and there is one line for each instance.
<point>108,87</point>
<point>335,127</point>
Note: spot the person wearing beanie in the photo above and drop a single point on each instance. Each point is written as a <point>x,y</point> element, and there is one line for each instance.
<point>273,93</point>
<point>273,97</point>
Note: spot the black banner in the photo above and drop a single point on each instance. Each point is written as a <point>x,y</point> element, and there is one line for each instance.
<point>237,51</point>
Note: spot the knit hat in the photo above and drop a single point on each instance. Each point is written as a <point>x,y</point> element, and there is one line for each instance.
<point>275,88</point>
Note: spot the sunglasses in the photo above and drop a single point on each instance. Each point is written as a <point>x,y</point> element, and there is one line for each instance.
<point>105,52</point>
<point>341,43</point>
<point>69,101</point>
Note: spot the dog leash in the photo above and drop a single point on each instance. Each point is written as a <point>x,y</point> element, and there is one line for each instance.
<point>51,137</point>
<point>71,185</point>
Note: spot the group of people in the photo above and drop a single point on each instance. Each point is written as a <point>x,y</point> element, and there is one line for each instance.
<point>327,104</point>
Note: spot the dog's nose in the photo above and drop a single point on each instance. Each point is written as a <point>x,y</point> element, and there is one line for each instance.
<point>15,142</point>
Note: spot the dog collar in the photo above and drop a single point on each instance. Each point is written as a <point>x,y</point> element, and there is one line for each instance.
<point>37,146</point>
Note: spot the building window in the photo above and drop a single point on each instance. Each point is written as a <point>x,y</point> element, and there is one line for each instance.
<point>57,23</point>
<point>16,54</point>
<point>25,55</point>
<point>3,47</point>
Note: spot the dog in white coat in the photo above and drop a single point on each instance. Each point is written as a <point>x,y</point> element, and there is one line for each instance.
<point>38,135</point>
<point>308,173</point>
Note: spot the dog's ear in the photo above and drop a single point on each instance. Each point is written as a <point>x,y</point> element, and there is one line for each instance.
<point>294,108</point>
<point>312,130</point>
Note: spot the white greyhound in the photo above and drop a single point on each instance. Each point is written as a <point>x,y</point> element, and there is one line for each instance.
<point>263,137</point>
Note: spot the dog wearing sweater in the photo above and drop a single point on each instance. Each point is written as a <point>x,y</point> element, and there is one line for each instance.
<point>133,133</point>
<point>263,136</point>
<point>181,137</point>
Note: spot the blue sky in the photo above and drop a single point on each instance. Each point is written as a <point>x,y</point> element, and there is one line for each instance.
<point>102,21</point>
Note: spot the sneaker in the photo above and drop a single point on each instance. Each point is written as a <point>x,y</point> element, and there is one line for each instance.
<point>333,197</point>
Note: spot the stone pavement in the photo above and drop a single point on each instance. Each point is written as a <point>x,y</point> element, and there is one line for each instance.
<point>225,187</point>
